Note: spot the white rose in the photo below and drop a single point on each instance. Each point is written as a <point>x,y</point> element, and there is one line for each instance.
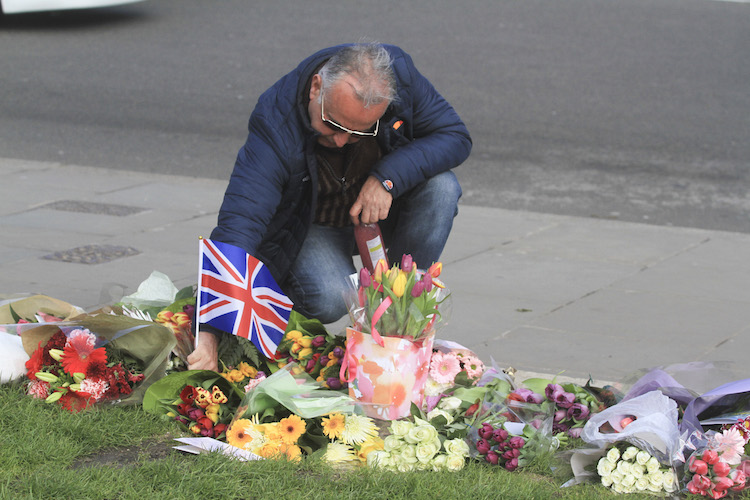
<point>628,480</point>
<point>405,466</point>
<point>669,481</point>
<point>624,466</point>
<point>437,412</point>
<point>421,434</point>
<point>652,465</point>
<point>613,455</point>
<point>641,484</point>
<point>605,466</point>
<point>628,489</point>
<point>449,403</point>
<point>379,459</point>
<point>456,447</point>
<point>425,451</point>
<point>654,489</point>
<point>637,470</point>
<point>455,462</point>
<point>400,427</point>
<point>617,476</point>
<point>629,453</point>
<point>618,488</point>
<point>656,478</point>
<point>607,480</point>
<point>440,462</point>
<point>408,454</point>
<point>642,457</point>
<point>393,443</point>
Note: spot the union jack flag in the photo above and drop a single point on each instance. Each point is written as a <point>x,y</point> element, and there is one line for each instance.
<point>238,295</point>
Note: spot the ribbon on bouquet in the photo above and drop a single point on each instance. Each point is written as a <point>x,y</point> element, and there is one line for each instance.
<point>349,363</point>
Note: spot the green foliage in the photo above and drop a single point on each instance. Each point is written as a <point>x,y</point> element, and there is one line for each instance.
<point>233,350</point>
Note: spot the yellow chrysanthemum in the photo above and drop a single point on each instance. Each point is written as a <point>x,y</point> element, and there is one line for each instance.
<point>237,434</point>
<point>358,429</point>
<point>291,429</point>
<point>337,452</point>
<point>333,426</point>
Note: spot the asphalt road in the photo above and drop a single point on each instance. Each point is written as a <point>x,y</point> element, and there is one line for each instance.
<point>636,110</point>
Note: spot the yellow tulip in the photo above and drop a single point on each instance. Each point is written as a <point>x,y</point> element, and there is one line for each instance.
<point>293,334</point>
<point>399,284</point>
<point>305,341</point>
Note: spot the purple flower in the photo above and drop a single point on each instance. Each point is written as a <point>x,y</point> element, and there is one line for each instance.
<point>552,390</point>
<point>189,309</point>
<point>499,435</point>
<point>333,383</point>
<point>529,396</point>
<point>578,412</point>
<point>511,465</point>
<point>407,263</point>
<point>492,458</point>
<point>338,352</point>
<point>319,341</point>
<point>483,446</point>
<point>427,281</point>
<point>517,442</point>
<point>559,416</point>
<point>486,432</point>
<point>195,413</point>
<point>364,278</point>
<point>417,289</point>
<point>507,455</point>
<point>575,432</point>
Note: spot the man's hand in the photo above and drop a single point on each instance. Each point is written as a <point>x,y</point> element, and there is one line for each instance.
<point>373,203</point>
<point>206,355</point>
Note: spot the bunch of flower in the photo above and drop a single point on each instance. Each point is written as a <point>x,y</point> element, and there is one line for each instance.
<point>743,427</point>
<point>572,406</point>
<point>626,469</point>
<point>275,440</point>
<point>498,447</point>
<point>74,372</point>
<point>244,375</point>
<point>181,325</point>
<point>352,438</point>
<point>203,412</point>
<point>399,301</point>
<point>319,356</point>
<point>718,468</point>
<point>417,446</point>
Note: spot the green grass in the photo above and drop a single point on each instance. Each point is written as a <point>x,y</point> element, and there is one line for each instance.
<point>124,453</point>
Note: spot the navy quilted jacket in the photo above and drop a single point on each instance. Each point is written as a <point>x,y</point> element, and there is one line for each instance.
<point>269,202</point>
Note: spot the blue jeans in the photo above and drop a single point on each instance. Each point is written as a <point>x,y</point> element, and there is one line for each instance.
<point>419,223</point>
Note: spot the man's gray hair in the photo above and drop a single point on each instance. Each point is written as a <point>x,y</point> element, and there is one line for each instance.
<point>370,64</point>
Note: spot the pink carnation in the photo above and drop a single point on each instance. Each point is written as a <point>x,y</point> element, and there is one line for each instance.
<point>254,382</point>
<point>96,387</point>
<point>444,367</point>
<point>39,389</point>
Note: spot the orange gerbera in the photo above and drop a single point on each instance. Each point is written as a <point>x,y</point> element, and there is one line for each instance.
<point>333,426</point>
<point>237,434</point>
<point>291,429</point>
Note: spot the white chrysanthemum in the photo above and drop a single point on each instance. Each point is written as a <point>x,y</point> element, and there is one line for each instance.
<point>358,429</point>
<point>337,452</point>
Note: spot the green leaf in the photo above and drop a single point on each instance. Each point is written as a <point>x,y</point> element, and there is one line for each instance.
<point>537,385</point>
<point>13,314</point>
<point>185,293</point>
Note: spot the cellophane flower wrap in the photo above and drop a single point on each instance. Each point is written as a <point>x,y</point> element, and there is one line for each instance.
<point>394,314</point>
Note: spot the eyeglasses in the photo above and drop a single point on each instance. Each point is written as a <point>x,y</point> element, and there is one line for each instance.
<point>340,128</point>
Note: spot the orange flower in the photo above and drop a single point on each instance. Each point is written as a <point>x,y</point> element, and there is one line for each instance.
<point>291,428</point>
<point>237,434</point>
<point>333,426</point>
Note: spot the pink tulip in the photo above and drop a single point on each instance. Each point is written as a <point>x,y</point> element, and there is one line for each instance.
<point>407,263</point>
<point>710,457</point>
<point>723,483</point>
<point>701,482</point>
<point>492,458</point>
<point>364,278</point>
<point>427,282</point>
<point>697,466</point>
<point>511,465</point>
<point>483,446</point>
<point>721,468</point>
<point>739,479</point>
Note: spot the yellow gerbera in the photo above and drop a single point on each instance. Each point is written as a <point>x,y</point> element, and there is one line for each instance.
<point>237,434</point>
<point>291,429</point>
<point>333,426</point>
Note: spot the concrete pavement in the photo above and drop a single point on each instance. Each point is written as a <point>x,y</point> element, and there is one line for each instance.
<point>540,292</point>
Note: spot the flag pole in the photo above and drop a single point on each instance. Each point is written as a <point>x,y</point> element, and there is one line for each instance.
<point>200,289</point>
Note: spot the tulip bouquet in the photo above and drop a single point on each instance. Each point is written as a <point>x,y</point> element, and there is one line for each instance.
<point>204,412</point>
<point>719,467</point>
<point>398,302</point>
<point>627,469</point>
